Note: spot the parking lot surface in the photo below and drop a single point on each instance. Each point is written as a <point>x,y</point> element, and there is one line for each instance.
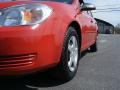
<point>97,71</point>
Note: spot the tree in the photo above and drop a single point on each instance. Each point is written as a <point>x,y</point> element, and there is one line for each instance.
<point>117,29</point>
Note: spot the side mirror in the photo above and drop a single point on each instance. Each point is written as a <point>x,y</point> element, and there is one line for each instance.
<point>87,7</point>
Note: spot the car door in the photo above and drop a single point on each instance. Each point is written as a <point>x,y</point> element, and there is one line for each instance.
<point>92,31</point>
<point>84,20</point>
<point>86,26</point>
<point>88,29</point>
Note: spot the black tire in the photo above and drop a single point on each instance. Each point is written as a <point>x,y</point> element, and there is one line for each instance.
<point>93,48</point>
<point>63,71</point>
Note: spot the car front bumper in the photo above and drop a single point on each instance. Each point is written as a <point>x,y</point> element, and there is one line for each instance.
<point>25,49</point>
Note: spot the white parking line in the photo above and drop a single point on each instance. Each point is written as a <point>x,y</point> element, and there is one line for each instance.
<point>102,41</point>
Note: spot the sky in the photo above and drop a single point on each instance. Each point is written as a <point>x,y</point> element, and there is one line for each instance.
<point>112,17</point>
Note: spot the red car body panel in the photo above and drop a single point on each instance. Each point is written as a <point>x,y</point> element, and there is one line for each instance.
<point>26,49</point>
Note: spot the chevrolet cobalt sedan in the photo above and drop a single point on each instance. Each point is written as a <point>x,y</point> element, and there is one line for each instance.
<point>40,34</point>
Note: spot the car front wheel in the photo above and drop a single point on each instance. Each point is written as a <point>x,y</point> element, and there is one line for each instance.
<point>70,55</point>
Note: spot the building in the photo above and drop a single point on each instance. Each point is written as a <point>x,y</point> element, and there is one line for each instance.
<point>104,27</point>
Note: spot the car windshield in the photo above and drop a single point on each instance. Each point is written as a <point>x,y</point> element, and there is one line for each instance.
<point>64,1</point>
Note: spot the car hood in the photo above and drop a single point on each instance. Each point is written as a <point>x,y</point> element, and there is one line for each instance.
<point>8,3</point>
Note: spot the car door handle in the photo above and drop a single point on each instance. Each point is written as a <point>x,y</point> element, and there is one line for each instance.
<point>92,21</point>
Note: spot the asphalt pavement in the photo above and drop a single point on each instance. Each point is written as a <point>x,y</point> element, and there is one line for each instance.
<point>97,71</point>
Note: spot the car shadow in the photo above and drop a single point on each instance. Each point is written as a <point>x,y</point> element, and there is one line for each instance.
<point>32,82</point>
<point>84,53</point>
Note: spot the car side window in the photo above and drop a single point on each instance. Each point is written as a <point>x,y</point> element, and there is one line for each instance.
<point>80,2</point>
<point>87,1</point>
<point>64,1</point>
<point>89,13</point>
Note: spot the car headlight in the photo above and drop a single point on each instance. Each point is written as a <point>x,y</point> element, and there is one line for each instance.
<point>27,14</point>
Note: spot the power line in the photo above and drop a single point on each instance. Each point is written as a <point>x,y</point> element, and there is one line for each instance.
<point>117,9</point>
<point>108,5</point>
<point>109,8</point>
<point>107,11</point>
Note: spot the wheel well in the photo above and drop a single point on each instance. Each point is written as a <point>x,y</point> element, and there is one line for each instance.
<point>78,30</point>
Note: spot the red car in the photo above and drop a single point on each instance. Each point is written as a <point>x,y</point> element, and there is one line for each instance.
<point>40,34</point>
